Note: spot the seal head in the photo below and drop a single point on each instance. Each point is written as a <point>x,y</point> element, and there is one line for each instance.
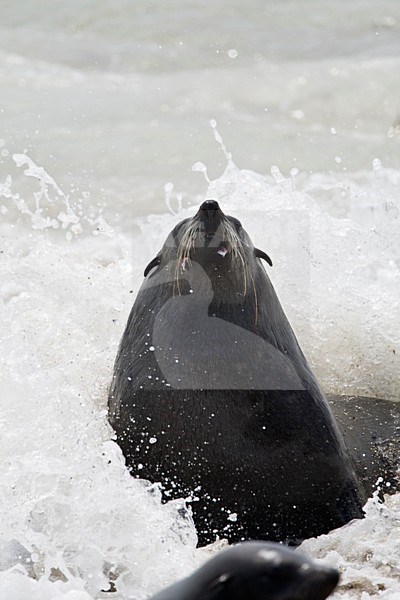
<point>256,571</point>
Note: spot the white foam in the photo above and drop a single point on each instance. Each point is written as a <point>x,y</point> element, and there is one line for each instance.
<point>71,514</point>
<point>69,508</point>
<point>365,552</point>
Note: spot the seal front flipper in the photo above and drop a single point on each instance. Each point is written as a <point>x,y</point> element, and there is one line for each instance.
<point>154,263</point>
<point>263,255</point>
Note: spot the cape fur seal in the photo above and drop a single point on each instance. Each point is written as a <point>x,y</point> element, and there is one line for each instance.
<point>213,397</point>
<point>256,571</point>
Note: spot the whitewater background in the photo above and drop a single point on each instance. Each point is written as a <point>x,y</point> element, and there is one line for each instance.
<point>117,118</point>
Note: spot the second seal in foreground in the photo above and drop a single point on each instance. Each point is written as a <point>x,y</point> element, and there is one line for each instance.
<point>256,571</point>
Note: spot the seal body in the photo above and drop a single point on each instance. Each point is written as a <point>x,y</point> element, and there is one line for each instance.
<point>256,571</point>
<point>213,397</point>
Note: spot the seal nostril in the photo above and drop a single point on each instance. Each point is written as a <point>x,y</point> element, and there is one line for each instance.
<point>210,205</point>
<point>209,210</point>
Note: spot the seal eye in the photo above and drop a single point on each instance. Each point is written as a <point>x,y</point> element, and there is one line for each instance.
<point>236,223</point>
<point>219,586</point>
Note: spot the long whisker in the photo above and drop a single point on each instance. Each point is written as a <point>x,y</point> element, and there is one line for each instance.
<point>194,233</point>
<point>185,246</point>
<point>237,249</point>
<point>255,298</point>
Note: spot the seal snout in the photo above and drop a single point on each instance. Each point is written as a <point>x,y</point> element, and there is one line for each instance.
<point>210,216</point>
<point>210,205</point>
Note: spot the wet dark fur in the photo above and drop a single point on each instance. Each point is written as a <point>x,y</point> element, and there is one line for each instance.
<point>243,428</point>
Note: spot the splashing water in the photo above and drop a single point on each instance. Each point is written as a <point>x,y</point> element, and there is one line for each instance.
<point>44,210</point>
<point>73,518</point>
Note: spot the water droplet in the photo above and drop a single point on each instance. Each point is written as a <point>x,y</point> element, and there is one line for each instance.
<point>233,517</point>
<point>376,164</point>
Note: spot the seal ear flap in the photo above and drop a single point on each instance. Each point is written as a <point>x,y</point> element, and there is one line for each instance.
<point>154,263</point>
<point>263,255</point>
